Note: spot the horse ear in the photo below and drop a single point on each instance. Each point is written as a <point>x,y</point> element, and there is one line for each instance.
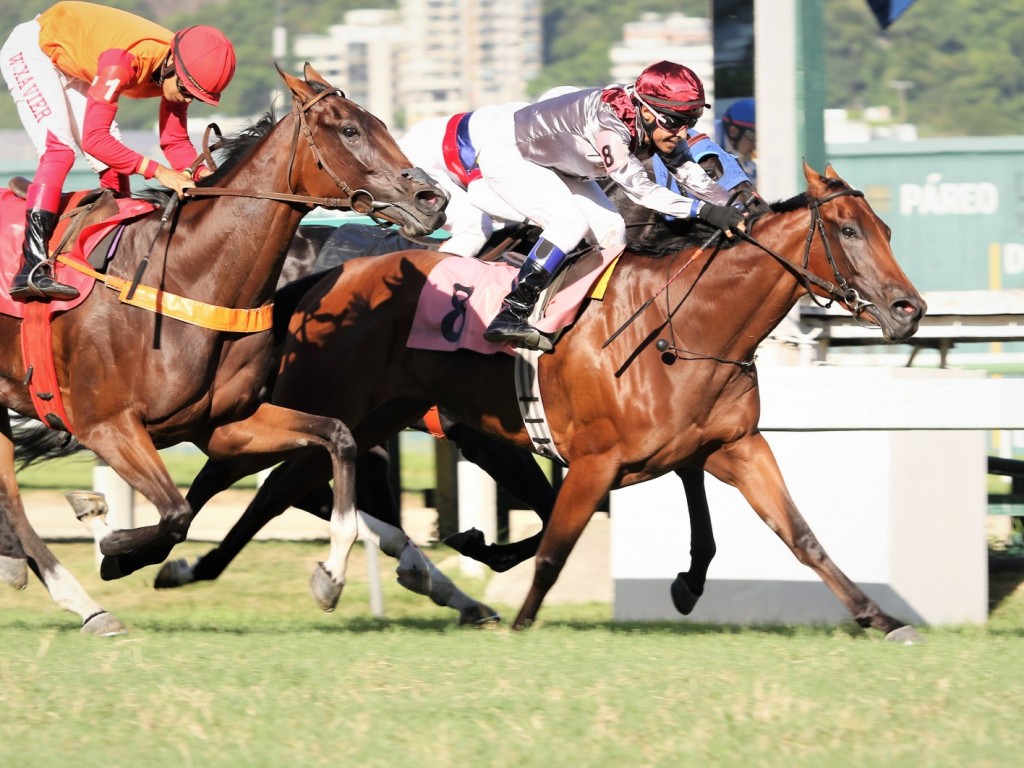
<point>830,172</point>
<point>312,76</point>
<point>299,88</point>
<point>815,181</point>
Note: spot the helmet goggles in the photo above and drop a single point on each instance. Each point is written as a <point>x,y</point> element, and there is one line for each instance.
<point>673,122</point>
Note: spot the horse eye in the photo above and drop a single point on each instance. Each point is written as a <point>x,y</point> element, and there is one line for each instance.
<point>349,132</point>
<point>848,231</point>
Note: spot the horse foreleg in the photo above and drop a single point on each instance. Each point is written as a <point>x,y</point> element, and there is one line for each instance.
<point>125,445</point>
<point>689,585</point>
<point>750,466</point>
<point>585,484</point>
<point>280,432</point>
<point>372,494</point>
<point>21,547</point>
<point>13,562</point>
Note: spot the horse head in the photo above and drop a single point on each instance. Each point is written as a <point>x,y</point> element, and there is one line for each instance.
<point>357,157</point>
<point>855,252</point>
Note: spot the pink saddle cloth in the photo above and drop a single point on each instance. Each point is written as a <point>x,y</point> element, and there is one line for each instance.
<point>462,296</point>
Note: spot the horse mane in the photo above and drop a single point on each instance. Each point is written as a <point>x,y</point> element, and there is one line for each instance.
<point>231,151</point>
<point>801,201</point>
<point>659,237</point>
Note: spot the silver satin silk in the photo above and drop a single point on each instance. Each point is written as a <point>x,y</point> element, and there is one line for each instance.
<point>569,133</point>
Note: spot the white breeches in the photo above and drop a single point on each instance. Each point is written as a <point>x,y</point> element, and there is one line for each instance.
<point>471,212</point>
<point>567,209</point>
<point>48,102</point>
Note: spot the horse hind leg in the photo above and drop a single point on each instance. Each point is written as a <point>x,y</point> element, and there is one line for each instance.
<point>13,562</point>
<point>417,574</point>
<point>63,587</point>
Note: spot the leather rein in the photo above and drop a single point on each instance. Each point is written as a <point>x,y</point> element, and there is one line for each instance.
<point>359,200</point>
<point>839,290</point>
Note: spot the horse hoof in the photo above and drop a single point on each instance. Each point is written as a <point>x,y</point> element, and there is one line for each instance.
<point>103,624</point>
<point>478,615</point>
<point>465,542</point>
<point>174,573</point>
<point>905,635</point>
<point>682,598</point>
<point>414,570</point>
<point>87,504</point>
<point>13,571</point>
<point>325,591</point>
<point>110,569</point>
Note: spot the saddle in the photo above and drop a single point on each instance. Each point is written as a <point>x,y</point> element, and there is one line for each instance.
<point>77,212</point>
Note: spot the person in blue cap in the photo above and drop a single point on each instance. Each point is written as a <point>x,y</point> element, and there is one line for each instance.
<point>738,134</point>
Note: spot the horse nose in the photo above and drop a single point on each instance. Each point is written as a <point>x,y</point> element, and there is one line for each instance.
<point>432,198</point>
<point>908,311</point>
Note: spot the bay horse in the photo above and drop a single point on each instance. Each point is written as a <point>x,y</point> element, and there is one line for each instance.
<point>632,390</point>
<point>132,382</point>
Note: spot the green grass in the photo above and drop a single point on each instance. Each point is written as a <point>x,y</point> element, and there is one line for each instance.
<point>248,672</point>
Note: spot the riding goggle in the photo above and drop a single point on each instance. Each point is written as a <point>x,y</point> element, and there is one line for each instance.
<point>673,122</point>
<point>182,89</point>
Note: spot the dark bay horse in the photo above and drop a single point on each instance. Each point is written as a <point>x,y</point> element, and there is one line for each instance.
<point>634,389</point>
<point>132,382</point>
<point>317,248</point>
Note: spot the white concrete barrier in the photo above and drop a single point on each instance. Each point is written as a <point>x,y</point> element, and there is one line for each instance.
<point>888,466</point>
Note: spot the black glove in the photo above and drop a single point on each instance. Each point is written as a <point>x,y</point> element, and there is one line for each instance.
<point>725,217</point>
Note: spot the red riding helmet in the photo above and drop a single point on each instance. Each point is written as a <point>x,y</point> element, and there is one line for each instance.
<point>204,60</point>
<point>668,87</point>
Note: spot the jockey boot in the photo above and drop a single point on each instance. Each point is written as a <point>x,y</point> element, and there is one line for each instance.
<point>35,279</point>
<point>511,324</point>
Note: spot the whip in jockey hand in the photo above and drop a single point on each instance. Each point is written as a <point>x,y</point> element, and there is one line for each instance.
<point>545,159</point>
<point>66,70</point>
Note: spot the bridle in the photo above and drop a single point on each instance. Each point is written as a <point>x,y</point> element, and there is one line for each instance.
<point>839,290</point>
<point>359,200</point>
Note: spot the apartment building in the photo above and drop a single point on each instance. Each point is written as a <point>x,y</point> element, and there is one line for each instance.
<point>361,57</point>
<point>430,57</point>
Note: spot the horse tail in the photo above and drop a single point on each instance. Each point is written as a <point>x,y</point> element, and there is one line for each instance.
<point>35,442</point>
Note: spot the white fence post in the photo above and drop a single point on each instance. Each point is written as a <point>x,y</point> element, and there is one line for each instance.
<point>119,495</point>
<point>478,508</point>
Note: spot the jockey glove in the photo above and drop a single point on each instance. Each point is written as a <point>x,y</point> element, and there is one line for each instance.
<point>724,217</point>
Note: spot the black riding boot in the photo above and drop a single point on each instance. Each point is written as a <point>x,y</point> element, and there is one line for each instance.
<point>35,279</point>
<point>511,324</point>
